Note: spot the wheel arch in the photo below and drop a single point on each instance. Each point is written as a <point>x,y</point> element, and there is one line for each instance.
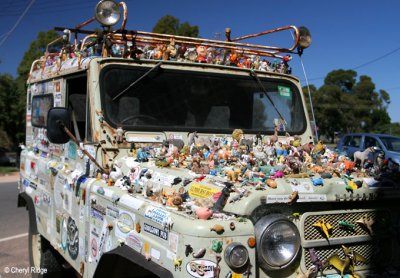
<point>24,200</point>
<point>109,261</point>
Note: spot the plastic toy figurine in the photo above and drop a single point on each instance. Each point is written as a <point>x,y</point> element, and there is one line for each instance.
<point>379,165</point>
<point>317,181</point>
<point>363,156</point>
<point>345,225</point>
<point>199,253</point>
<point>120,135</point>
<point>226,191</point>
<point>293,197</point>
<point>171,50</point>
<point>316,261</point>
<point>347,265</point>
<point>188,250</point>
<point>201,54</point>
<point>318,149</point>
<point>237,135</point>
<point>351,186</point>
<point>285,65</point>
<point>311,272</point>
<point>326,228</point>
<point>204,213</point>
<point>219,229</point>
<point>366,222</point>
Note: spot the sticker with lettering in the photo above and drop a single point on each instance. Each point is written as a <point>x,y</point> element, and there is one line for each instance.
<point>112,212</point>
<point>94,242</point>
<point>155,231</point>
<point>157,215</point>
<point>173,242</point>
<point>285,92</point>
<point>201,268</point>
<point>133,241</point>
<point>302,198</point>
<point>202,191</point>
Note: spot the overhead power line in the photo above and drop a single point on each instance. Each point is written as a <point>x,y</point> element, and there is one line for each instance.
<point>376,59</point>
<point>366,63</point>
<point>45,7</point>
<point>16,23</point>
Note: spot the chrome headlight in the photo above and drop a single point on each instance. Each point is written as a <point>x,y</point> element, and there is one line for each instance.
<point>278,241</point>
<point>236,256</point>
<point>107,12</point>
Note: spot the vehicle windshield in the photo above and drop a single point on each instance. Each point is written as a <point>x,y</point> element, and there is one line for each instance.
<point>391,143</point>
<point>182,100</point>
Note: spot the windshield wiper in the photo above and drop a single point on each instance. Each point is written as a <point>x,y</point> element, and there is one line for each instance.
<point>253,74</point>
<point>138,80</point>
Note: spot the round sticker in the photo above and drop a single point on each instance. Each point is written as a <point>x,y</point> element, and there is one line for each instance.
<point>72,238</point>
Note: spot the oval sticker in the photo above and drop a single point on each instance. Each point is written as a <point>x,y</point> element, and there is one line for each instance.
<point>125,223</point>
<point>201,268</point>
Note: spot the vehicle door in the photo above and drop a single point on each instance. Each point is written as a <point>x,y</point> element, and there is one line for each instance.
<point>370,141</point>
<point>351,144</point>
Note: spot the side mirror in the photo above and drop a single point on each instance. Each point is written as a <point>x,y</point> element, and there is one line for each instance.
<point>57,118</point>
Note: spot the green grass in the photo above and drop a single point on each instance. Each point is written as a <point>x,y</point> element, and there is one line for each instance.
<point>7,170</point>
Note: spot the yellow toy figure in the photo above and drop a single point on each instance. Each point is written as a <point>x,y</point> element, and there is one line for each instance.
<point>237,134</point>
<point>346,265</point>
<point>324,227</point>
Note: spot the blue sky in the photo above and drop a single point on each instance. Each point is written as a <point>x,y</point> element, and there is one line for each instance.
<point>360,35</point>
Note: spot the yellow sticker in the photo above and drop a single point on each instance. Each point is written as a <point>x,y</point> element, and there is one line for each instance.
<point>236,275</point>
<point>202,191</point>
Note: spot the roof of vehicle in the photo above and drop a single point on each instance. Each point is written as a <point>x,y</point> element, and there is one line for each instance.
<point>370,134</point>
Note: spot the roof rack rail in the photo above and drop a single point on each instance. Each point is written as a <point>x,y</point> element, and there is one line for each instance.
<point>148,45</point>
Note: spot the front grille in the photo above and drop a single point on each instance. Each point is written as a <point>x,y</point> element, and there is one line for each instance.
<point>371,251</point>
<point>313,233</point>
<point>376,246</point>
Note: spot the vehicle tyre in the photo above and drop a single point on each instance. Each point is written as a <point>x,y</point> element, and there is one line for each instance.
<point>42,256</point>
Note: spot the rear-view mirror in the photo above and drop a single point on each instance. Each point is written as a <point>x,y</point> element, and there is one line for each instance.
<point>57,119</point>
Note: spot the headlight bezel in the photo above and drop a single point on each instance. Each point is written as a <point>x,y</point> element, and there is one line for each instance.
<point>113,9</point>
<point>229,252</point>
<point>265,225</point>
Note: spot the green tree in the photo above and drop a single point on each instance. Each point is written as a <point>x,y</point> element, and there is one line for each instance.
<point>170,25</point>
<point>345,104</point>
<point>36,49</point>
<point>9,105</point>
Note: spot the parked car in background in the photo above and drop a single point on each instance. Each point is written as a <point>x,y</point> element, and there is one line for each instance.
<point>7,158</point>
<point>352,142</point>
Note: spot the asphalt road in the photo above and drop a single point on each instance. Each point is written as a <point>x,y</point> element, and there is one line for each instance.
<point>14,254</point>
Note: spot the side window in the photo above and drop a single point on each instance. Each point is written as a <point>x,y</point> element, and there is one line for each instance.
<point>371,142</point>
<point>346,141</point>
<point>40,106</point>
<point>355,141</point>
<point>77,102</point>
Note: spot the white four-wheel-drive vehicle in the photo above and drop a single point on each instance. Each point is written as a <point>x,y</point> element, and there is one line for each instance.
<point>154,155</point>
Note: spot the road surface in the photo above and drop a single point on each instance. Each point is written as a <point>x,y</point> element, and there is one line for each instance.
<point>14,256</point>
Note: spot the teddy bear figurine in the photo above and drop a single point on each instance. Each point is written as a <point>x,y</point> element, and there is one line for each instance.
<point>201,54</point>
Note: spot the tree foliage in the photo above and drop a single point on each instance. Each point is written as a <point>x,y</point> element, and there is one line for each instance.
<point>13,92</point>
<point>9,106</point>
<point>171,25</point>
<point>344,104</point>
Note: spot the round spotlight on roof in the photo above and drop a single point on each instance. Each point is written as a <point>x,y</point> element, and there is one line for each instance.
<point>305,37</point>
<point>107,12</point>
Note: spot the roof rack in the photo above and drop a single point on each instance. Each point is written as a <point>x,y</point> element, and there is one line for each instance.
<point>148,45</point>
